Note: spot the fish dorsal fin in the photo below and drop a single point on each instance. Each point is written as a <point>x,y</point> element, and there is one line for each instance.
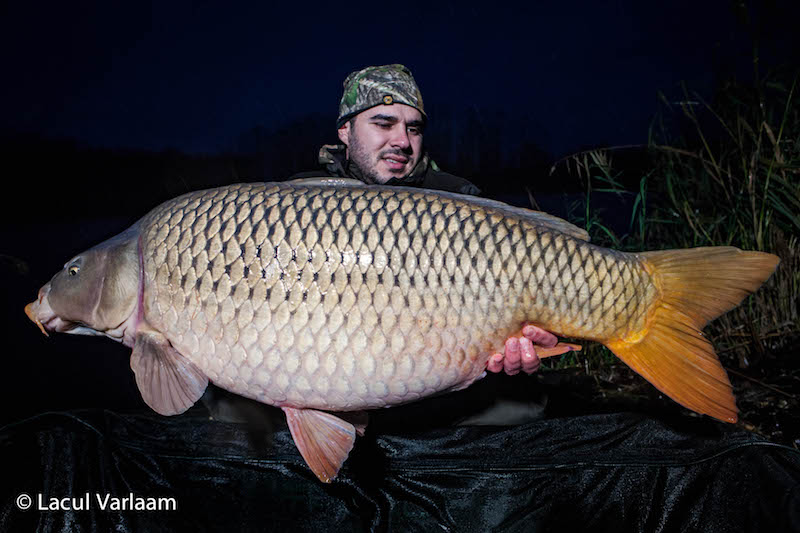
<point>537,217</point>
<point>324,440</point>
<point>552,221</point>
<point>331,181</point>
<point>169,383</point>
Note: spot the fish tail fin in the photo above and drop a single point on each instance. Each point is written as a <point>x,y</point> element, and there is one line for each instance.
<point>696,286</point>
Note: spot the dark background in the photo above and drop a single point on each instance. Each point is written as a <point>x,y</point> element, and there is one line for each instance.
<point>201,76</point>
<point>107,109</point>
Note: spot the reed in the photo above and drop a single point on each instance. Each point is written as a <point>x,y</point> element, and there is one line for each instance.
<point>725,173</point>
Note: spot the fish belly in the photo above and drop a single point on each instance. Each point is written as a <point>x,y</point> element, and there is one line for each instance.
<point>359,297</point>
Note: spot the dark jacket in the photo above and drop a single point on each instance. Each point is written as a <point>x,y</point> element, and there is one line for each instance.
<point>427,173</point>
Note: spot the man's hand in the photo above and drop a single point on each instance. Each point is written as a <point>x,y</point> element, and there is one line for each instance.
<point>520,353</point>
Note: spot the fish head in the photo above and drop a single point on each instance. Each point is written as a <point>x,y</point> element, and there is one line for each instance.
<point>95,293</point>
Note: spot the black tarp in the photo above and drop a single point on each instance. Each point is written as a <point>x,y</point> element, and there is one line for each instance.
<point>617,472</point>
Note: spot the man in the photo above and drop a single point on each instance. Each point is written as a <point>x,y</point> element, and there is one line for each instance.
<point>381,125</point>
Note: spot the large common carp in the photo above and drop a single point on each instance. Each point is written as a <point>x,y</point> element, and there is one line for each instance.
<point>323,297</point>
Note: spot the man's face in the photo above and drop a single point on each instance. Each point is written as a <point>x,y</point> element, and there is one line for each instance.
<point>385,141</point>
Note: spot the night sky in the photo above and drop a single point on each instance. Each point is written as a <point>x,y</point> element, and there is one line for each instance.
<point>194,75</point>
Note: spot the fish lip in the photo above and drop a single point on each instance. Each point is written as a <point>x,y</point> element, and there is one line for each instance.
<point>30,310</point>
<point>41,314</point>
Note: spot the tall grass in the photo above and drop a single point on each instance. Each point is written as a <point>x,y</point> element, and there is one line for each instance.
<point>721,173</point>
<point>736,181</point>
<point>742,185</point>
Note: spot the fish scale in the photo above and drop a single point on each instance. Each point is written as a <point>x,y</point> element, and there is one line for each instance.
<point>353,298</point>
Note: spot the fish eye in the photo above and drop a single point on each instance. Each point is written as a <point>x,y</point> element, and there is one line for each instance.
<point>73,270</point>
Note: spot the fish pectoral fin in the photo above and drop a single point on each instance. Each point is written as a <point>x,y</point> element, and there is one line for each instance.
<point>324,440</point>
<point>169,383</point>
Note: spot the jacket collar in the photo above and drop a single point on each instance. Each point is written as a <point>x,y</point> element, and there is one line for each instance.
<point>334,158</point>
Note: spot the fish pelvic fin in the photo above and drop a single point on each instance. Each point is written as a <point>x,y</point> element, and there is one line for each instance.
<point>696,286</point>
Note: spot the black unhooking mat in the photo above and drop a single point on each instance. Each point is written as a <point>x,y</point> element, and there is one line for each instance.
<point>618,472</point>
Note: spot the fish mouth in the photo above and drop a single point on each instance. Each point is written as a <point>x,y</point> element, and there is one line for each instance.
<point>30,310</point>
<point>41,314</point>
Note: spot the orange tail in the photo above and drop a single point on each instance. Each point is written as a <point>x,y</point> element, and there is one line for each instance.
<point>696,286</point>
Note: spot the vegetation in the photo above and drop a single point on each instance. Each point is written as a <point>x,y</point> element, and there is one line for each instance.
<point>720,173</point>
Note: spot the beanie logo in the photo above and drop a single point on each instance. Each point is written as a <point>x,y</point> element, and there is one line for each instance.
<point>388,99</point>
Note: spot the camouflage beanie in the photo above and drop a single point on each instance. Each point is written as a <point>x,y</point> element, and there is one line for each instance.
<point>387,84</point>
